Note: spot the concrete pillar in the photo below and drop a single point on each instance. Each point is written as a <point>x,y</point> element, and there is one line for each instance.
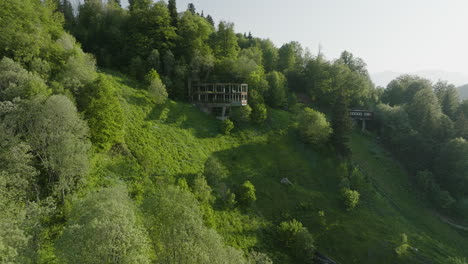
<point>223,113</point>
<point>363,125</point>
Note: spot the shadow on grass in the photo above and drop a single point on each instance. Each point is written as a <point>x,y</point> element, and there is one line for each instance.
<point>185,116</point>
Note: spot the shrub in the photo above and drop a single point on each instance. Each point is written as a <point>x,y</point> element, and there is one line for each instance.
<point>444,200</point>
<point>313,126</point>
<point>226,126</point>
<point>426,182</point>
<point>104,114</point>
<point>403,247</point>
<point>259,113</point>
<point>104,226</point>
<point>230,200</point>
<point>259,258</point>
<point>15,81</point>
<point>156,89</point>
<point>453,260</point>
<point>288,230</point>
<point>202,190</point>
<point>297,239</point>
<point>215,171</point>
<point>350,198</point>
<point>247,194</point>
<point>241,114</point>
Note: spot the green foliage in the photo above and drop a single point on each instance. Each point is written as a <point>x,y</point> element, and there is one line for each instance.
<point>29,29</point>
<point>201,190</point>
<point>246,194</point>
<point>341,123</point>
<point>289,56</point>
<point>313,126</point>
<point>18,174</point>
<point>276,95</point>
<point>288,231</point>
<point>259,258</point>
<point>194,32</point>
<point>15,82</point>
<point>214,171</point>
<point>403,89</point>
<point>176,228</point>
<point>270,55</point>
<point>229,200</point>
<point>58,138</point>
<point>103,113</point>
<point>452,260</point>
<point>297,239</point>
<point>100,28</point>
<point>156,89</point>
<point>224,41</point>
<point>259,113</point>
<point>402,249</point>
<point>241,114</point>
<point>257,82</point>
<point>104,227</point>
<point>79,69</point>
<point>451,167</point>
<point>424,112</point>
<point>151,29</point>
<point>350,198</point>
<point>226,126</point>
<point>448,98</point>
<point>17,185</point>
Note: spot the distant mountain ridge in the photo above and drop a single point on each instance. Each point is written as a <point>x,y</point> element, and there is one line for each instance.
<point>456,78</point>
<point>463,91</point>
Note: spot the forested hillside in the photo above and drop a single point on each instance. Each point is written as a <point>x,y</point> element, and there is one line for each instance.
<point>103,159</point>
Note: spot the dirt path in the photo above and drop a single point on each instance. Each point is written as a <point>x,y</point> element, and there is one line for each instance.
<point>449,222</point>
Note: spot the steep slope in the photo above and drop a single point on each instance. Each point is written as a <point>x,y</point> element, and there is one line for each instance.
<point>174,140</point>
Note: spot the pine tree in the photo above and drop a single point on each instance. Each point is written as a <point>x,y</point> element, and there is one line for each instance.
<point>173,12</point>
<point>210,20</point>
<point>191,8</point>
<point>341,123</point>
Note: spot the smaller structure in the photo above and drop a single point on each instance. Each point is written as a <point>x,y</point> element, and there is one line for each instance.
<point>286,181</point>
<point>218,96</point>
<point>363,115</point>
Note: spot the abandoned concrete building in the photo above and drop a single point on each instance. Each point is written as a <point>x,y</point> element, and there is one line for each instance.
<point>218,98</point>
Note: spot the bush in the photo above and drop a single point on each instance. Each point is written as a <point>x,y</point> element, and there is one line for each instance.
<point>453,260</point>
<point>229,200</point>
<point>201,190</point>
<point>444,200</point>
<point>215,171</point>
<point>241,114</point>
<point>403,247</point>
<point>259,113</point>
<point>15,81</point>
<point>247,194</point>
<point>297,239</point>
<point>103,113</point>
<point>226,126</point>
<point>104,226</point>
<point>313,126</point>
<point>259,258</point>
<point>156,89</point>
<point>287,231</point>
<point>426,182</point>
<point>350,198</point>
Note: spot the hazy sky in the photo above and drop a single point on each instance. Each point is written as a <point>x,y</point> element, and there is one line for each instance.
<point>393,35</point>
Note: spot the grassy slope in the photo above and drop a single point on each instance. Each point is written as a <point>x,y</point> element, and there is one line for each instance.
<point>175,140</point>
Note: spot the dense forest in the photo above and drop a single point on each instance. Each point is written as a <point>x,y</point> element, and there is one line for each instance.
<point>104,160</point>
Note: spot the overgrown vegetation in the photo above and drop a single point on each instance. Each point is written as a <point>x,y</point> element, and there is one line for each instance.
<point>103,161</point>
